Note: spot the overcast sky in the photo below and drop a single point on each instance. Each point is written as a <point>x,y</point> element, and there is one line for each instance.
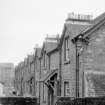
<point>25,23</point>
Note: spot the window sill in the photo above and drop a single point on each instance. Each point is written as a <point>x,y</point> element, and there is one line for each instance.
<point>67,62</point>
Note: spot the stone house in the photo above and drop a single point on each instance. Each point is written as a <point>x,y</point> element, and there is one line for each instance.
<point>52,75</point>
<point>68,66</point>
<point>49,66</point>
<point>37,72</point>
<point>26,76</point>
<point>72,27</point>
<point>22,78</point>
<point>18,79</point>
<point>32,74</point>
<point>29,76</point>
<point>90,47</point>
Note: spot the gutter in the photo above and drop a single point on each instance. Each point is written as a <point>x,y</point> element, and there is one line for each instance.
<point>77,71</point>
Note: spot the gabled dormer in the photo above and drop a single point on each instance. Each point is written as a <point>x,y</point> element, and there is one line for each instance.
<point>49,44</point>
<point>37,58</point>
<point>74,24</point>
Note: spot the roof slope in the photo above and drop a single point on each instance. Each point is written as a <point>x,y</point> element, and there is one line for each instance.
<point>99,18</point>
<point>38,52</point>
<point>97,22</point>
<point>49,46</point>
<point>73,30</point>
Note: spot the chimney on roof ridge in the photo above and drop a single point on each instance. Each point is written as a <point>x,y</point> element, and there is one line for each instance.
<point>52,38</point>
<point>79,17</point>
<point>36,46</point>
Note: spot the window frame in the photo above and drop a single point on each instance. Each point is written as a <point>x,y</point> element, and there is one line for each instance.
<point>66,88</point>
<point>44,93</point>
<point>44,59</point>
<point>66,48</point>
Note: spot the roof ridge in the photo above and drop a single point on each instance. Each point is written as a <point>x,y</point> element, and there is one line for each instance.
<point>99,18</point>
<point>96,22</point>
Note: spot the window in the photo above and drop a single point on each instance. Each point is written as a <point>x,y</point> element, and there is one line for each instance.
<point>49,62</point>
<point>66,49</point>
<point>31,85</point>
<point>66,88</point>
<point>44,59</point>
<point>44,93</point>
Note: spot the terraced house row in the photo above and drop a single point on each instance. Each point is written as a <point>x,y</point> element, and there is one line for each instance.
<point>69,65</point>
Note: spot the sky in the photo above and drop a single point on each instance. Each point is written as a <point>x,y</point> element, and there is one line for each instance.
<point>25,23</point>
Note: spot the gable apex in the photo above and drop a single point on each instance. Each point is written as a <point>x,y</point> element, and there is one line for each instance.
<point>98,22</point>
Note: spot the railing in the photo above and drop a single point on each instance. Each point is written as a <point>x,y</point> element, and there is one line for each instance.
<point>18,101</point>
<point>81,101</point>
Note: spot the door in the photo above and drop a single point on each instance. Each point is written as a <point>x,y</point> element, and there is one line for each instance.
<point>50,97</point>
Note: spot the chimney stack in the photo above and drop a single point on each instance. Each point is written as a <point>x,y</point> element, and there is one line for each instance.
<point>79,18</point>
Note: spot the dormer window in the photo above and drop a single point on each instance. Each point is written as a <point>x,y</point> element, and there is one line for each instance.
<point>66,49</point>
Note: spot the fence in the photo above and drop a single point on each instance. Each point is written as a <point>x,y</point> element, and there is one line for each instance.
<point>81,101</point>
<point>18,101</point>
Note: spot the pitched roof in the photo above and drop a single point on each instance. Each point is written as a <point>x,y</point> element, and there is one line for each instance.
<point>39,52</point>
<point>49,46</point>
<point>30,58</point>
<point>97,22</point>
<point>74,29</point>
<point>99,18</point>
<point>50,74</point>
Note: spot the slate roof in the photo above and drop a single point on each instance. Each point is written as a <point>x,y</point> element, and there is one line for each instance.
<point>49,74</point>
<point>99,18</point>
<point>31,58</point>
<point>74,29</point>
<point>38,52</point>
<point>97,22</point>
<point>48,47</point>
